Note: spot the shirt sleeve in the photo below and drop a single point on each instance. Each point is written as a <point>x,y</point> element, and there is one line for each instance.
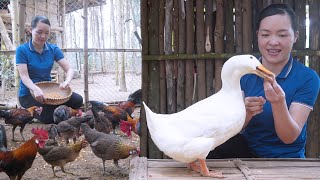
<point>58,55</point>
<point>21,57</point>
<point>308,92</point>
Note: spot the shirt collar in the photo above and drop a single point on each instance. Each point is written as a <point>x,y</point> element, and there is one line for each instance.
<point>31,47</point>
<point>286,69</point>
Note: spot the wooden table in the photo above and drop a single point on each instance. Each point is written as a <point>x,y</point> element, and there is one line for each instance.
<point>142,168</point>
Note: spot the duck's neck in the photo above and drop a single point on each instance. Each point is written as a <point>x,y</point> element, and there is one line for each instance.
<point>231,84</point>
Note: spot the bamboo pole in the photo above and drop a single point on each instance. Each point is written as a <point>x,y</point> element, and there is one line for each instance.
<point>189,50</point>
<point>201,64</point>
<point>300,10</point>
<point>182,49</point>
<point>85,51</point>
<point>209,44</point>
<point>238,25</point>
<point>211,56</point>
<point>171,101</point>
<point>247,26</point>
<point>218,37</point>
<point>162,65</point>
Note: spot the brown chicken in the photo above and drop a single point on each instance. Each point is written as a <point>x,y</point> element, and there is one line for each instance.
<point>16,162</point>
<point>61,155</point>
<point>114,114</point>
<point>130,104</point>
<point>107,146</point>
<point>68,129</point>
<point>63,112</point>
<point>20,117</point>
<point>102,123</point>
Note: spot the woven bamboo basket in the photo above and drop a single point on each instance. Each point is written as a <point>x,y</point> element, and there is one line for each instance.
<point>52,93</point>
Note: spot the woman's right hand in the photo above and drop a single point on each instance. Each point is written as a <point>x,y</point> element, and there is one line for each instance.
<point>38,94</point>
<point>254,105</point>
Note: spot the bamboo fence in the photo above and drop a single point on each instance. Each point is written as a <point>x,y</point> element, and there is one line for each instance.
<point>185,44</point>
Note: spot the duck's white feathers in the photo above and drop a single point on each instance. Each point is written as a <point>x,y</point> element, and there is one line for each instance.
<point>192,133</point>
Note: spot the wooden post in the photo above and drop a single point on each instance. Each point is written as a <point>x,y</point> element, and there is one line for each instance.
<point>22,21</point>
<point>85,51</point>
<point>189,50</point>
<point>313,141</point>
<point>145,77</point>
<point>171,101</point>
<point>182,49</point>
<point>162,64</point>
<point>218,38</point>
<point>209,46</point>
<point>201,64</point>
<point>154,77</point>
<point>247,26</point>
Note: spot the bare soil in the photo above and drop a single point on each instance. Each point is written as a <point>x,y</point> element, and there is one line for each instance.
<point>86,166</point>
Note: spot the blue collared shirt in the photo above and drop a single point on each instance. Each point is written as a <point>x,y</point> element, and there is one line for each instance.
<point>39,65</point>
<point>301,85</point>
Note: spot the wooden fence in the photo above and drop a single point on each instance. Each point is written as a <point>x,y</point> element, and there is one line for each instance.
<point>185,44</point>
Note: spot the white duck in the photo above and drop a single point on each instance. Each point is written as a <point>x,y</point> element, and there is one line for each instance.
<point>189,135</point>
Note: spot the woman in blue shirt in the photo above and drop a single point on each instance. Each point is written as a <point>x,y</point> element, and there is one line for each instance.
<point>34,61</point>
<point>277,112</point>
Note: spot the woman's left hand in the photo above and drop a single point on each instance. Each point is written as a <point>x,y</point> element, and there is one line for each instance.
<point>273,92</point>
<point>64,85</point>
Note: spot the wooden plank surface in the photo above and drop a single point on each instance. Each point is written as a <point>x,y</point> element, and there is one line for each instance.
<point>233,169</point>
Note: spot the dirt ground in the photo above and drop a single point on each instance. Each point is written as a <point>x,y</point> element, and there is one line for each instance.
<point>86,166</point>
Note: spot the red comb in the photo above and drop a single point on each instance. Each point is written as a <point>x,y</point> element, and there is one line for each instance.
<point>40,132</point>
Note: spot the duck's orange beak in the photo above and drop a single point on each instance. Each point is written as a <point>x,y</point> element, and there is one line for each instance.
<point>264,73</point>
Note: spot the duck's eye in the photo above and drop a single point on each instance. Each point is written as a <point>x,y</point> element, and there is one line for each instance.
<point>251,57</point>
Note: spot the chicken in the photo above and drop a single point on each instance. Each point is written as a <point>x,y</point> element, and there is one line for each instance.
<point>68,128</point>
<point>20,117</point>
<point>107,146</point>
<point>134,126</point>
<point>102,123</point>
<point>61,155</point>
<point>3,138</point>
<point>189,135</point>
<point>16,162</point>
<point>130,104</point>
<point>64,112</point>
<point>114,114</point>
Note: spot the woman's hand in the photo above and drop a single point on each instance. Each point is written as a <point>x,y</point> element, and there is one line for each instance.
<point>273,92</point>
<point>254,105</point>
<point>64,85</point>
<point>38,94</point>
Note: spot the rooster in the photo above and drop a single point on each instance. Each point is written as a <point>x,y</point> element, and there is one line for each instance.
<point>20,117</point>
<point>3,138</point>
<point>64,112</point>
<point>107,146</point>
<point>134,126</point>
<point>114,114</point>
<point>130,104</point>
<point>16,162</point>
<point>61,155</point>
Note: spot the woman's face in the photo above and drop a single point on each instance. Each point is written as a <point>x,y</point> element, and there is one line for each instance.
<point>40,33</point>
<point>276,38</point>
